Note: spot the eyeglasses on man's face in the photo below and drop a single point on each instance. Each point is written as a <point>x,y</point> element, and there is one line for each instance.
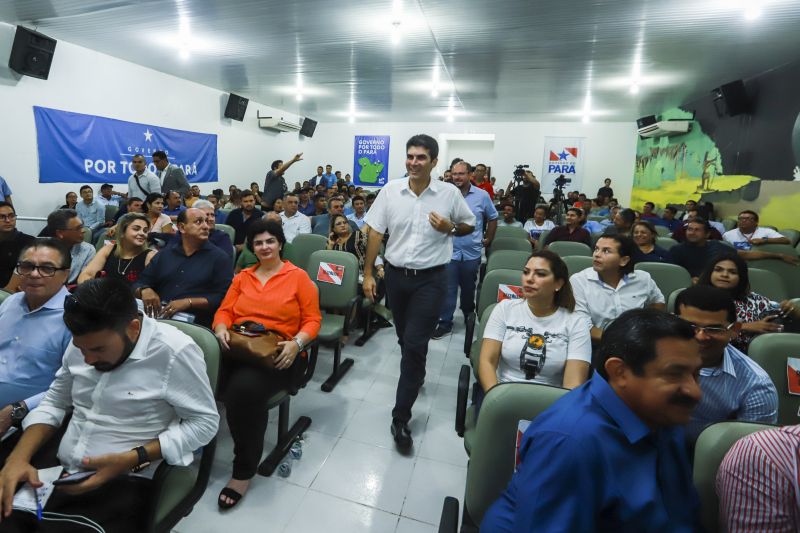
<point>9,217</point>
<point>712,330</point>
<point>25,268</point>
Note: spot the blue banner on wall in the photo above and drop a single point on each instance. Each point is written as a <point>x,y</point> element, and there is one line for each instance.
<point>78,148</point>
<point>371,160</point>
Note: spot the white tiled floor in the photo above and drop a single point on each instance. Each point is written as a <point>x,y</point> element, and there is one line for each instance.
<point>350,478</point>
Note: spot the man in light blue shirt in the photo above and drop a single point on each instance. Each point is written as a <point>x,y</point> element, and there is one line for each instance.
<point>33,337</point>
<point>462,271</point>
<point>92,212</point>
<point>5,191</point>
<point>734,386</point>
<point>359,213</point>
<point>329,178</point>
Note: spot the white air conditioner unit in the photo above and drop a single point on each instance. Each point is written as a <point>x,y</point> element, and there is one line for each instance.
<point>277,123</point>
<point>666,128</point>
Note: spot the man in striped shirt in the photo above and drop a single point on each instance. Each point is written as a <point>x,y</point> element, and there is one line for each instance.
<point>757,483</point>
<point>734,386</point>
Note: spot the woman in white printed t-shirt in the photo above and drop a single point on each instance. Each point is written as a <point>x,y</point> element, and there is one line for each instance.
<point>536,225</point>
<point>538,337</point>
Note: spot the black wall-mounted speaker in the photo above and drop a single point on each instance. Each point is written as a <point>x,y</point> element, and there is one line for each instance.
<point>236,107</point>
<point>31,53</point>
<point>307,130</point>
<point>734,96</point>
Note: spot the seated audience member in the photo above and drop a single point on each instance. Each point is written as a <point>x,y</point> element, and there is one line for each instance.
<point>277,205</point>
<point>715,228</point>
<point>92,213</point>
<point>195,190</point>
<point>125,259</point>
<point>689,208</point>
<point>66,226</point>
<point>371,199</point>
<point>306,204</point>
<point>72,201</point>
<point>734,386</point>
<point>321,224</point>
<point>648,212</point>
<point>749,236</point>
<point>241,218</point>
<point>508,217</point>
<point>219,216</point>
<point>12,242</point>
<point>538,337</point>
<point>294,222</point>
<point>644,236</point>
<point>611,286</point>
<point>190,277</point>
<point>755,313</point>
<point>359,211</point>
<point>343,238</point>
<point>257,194</point>
<point>119,434</point>
<point>757,483</point>
<point>217,237</point>
<point>153,207</point>
<point>133,204</point>
<point>108,196</point>
<point>611,455</point>
<point>697,251</point>
<point>293,313</point>
<point>668,219</point>
<point>592,226</point>
<point>234,200</point>
<point>33,337</point>
<point>538,224</point>
<point>571,231</point>
<point>320,205</point>
<point>174,206</point>
<point>622,223</point>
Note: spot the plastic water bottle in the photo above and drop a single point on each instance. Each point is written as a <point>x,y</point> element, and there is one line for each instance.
<point>296,451</point>
<point>285,468</point>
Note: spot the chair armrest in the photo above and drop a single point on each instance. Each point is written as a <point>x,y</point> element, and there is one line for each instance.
<point>470,323</point>
<point>449,521</point>
<point>350,316</point>
<point>461,398</point>
<point>303,375</point>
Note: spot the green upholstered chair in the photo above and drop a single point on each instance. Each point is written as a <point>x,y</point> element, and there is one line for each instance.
<point>111,211</point>
<point>787,273</point>
<point>568,248</point>
<point>338,304</point>
<point>247,258</point>
<point>767,284</point>
<point>792,234</point>
<point>176,489</point>
<point>508,259</point>
<point>491,463</point>
<point>665,242</point>
<point>487,295</point>
<point>576,263</point>
<point>509,243</point>
<point>673,297</point>
<point>668,277</point>
<point>227,229</point>
<point>301,249</point>
<point>4,295</point>
<point>771,351</point>
<point>542,238</point>
<point>662,231</point>
<point>510,232</point>
<point>709,451</point>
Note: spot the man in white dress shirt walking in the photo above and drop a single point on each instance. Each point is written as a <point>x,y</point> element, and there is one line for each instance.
<point>421,216</point>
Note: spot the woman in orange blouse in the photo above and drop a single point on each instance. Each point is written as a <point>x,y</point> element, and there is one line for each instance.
<point>281,297</point>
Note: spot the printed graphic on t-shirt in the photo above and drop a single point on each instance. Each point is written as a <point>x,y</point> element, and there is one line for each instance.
<point>533,355</point>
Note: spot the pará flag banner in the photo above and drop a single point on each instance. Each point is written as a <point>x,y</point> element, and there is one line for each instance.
<point>371,160</point>
<point>562,155</point>
<point>77,148</point>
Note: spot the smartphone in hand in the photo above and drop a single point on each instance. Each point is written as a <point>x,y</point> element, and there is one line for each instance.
<point>74,479</point>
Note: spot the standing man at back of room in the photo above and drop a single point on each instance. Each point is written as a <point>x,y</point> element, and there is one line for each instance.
<point>421,215</point>
<point>274,184</point>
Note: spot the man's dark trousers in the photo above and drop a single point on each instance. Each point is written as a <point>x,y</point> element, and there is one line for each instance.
<point>415,298</point>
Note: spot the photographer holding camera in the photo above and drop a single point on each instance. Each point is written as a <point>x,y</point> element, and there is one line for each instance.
<point>525,189</point>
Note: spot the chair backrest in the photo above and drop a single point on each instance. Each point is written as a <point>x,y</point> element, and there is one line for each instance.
<point>101,239</point>
<point>792,234</point>
<point>673,297</point>
<point>767,284</point>
<point>787,249</point>
<point>507,232</point>
<point>772,351</point>
<point>207,342</point>
<point>510,259</point>
<point>475,355</point>
<point>542,238</point>
<point>510,243</point>
<point>576,263</point>
<point>594,237</point>
<point>491,284</point>
<point>665,242</point>
<point>4,295</point>
<point>711,447</point>
<point>565,248</point>
<point>111,210</point>
<point>302,247</point>
<point>87,235</point>
<point>662,231</point>
<point>729,223</point>
<point>667,276</point>
<point>491,462</point>
<point>227,229</point>
<point>333,296</point>
<point>788,274</point>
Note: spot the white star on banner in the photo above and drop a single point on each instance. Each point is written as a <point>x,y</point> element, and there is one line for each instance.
<point>147,135</point>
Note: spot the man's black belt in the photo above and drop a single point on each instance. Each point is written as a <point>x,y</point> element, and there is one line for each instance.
<point>415,271</point>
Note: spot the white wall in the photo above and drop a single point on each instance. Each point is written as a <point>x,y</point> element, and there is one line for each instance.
<point>85,81</point>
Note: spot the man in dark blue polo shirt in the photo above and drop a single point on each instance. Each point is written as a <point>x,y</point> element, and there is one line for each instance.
<point>241,218</point>
<point>191,276</point>
<point>611,454</point>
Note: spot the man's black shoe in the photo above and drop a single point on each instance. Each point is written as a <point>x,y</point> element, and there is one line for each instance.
<point>402,435</point>
<point>440,332</point>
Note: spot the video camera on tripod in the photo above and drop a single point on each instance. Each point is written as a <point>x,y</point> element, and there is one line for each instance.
<point>519,174</point>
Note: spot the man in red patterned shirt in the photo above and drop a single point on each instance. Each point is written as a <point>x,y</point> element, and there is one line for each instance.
<point>481,181</point>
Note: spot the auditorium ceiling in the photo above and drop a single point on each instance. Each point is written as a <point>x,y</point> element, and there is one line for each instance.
<point>432,60</point>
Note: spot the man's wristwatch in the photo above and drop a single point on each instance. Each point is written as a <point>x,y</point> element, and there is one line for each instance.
<point>144,459</point>
<point>18,411</point>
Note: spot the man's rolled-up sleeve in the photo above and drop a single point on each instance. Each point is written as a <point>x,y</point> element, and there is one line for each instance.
<point>189,392</point>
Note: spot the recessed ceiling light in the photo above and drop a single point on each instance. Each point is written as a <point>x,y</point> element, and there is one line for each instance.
<point>634,89</point>
<point>752,12</point>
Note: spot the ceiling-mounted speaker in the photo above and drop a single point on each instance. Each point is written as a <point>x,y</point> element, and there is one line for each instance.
<point>31,53</point>
<point>733,99</point>
<point>236,107</point>
<point>308,127</point>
